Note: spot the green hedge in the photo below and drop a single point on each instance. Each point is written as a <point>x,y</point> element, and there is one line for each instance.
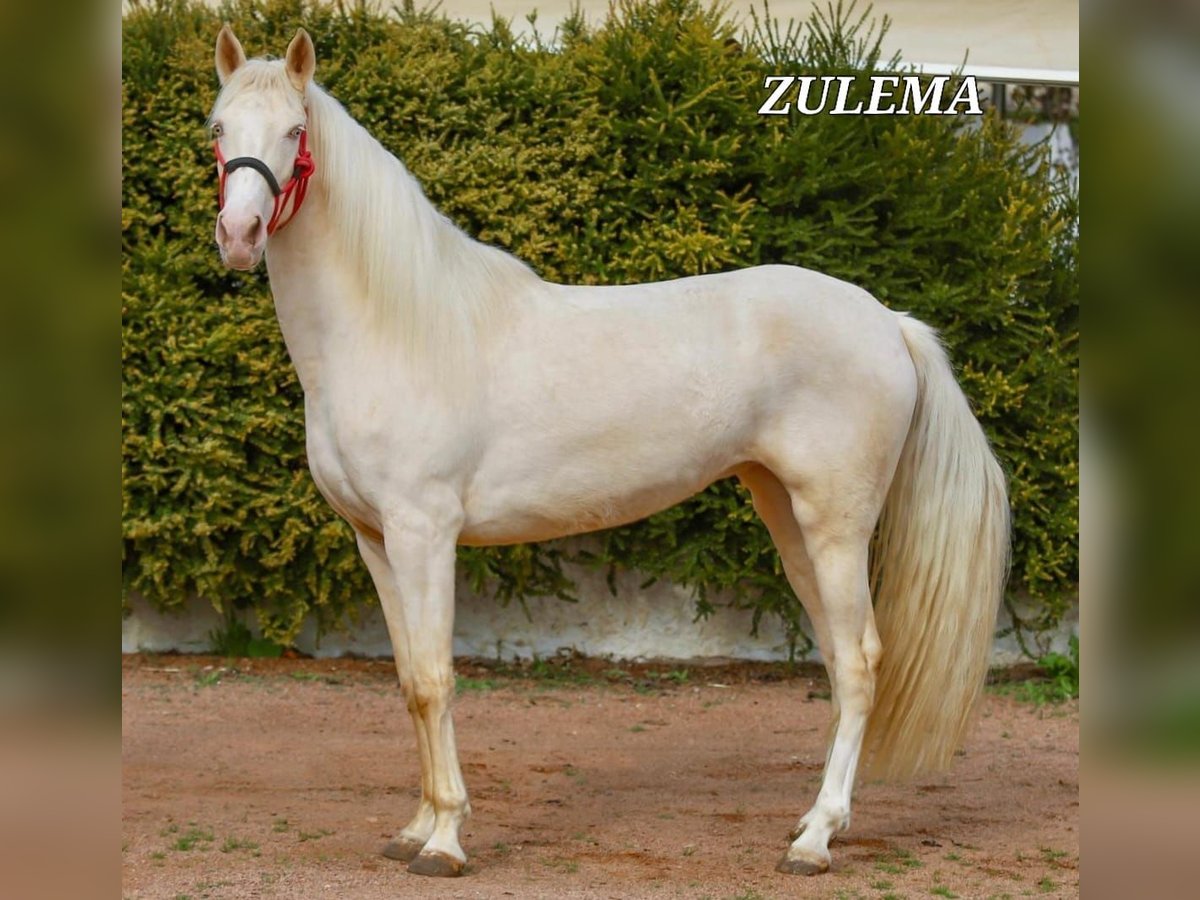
<point>627,152</point>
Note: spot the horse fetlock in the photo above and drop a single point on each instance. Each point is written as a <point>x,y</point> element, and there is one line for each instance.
<point>836,818</point>
<point>801,826</point>
<point>421,826</point>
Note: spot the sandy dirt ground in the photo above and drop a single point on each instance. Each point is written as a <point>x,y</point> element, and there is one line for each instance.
<point>284,778</point>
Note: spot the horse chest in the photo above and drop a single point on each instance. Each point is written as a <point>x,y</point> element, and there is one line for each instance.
<point>347,465</point>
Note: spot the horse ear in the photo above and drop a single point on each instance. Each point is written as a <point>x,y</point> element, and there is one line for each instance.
<point>301,60</point>
<point>230,55</point>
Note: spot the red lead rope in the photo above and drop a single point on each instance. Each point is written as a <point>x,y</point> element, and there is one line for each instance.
<point>295,189</point>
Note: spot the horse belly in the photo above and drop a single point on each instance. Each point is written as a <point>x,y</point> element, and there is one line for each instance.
<point>553,509</point>
<point>536,484</point>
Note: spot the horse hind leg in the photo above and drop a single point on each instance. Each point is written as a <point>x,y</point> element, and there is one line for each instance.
<point>839,559</point>
<point>773,503</point>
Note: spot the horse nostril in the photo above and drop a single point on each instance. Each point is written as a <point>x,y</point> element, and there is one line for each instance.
<point>256,231</point>
<point>222,233</point>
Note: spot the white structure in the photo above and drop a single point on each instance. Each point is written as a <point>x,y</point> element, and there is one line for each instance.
<point>658,622</point>
<point>1022,34</point>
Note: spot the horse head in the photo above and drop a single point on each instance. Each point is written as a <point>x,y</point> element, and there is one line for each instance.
<point>259,125</point>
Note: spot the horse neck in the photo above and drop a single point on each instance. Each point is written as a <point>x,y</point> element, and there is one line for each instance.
<point>305,273</point>
<point>368,253</point>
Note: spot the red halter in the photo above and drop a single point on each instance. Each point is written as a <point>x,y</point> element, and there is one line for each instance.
<point>295,189</point>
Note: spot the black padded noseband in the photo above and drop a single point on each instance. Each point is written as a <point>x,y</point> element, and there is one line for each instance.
<point>250,162</point>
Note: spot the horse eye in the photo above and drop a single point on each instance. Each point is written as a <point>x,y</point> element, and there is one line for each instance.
<point>295,133</point>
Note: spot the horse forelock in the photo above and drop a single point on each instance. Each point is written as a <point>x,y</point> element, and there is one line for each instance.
<point>258,76</point>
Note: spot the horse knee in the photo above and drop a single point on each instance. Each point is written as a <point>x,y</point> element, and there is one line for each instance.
<point>427,694</point>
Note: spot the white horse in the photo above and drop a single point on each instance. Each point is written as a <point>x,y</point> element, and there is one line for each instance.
<point>453,397</point>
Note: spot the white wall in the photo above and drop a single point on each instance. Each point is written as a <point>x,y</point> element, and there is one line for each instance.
<point>655,623</point>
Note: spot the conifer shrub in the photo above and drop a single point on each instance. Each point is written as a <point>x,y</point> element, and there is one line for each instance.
<point>623,151</point>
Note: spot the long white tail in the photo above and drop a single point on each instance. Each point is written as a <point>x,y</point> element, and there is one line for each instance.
<point>938,571</point>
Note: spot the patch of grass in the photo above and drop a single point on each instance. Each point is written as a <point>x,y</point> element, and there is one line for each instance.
<point>158,855</point>
<point>940,890</point>
<point>192,838</point>
<point>952,856</point>
<point>1046,885</point>
<point>556,671</point>
<point>748,894</point>
<point>897,861</point>
<point>1057,683</point>
<point>677,676</point>
<point>638,728</point>
<point>209,677</point>
<point>882,885</point>
<point>235,639</point>
<point>315,676</point>
<point>464,685</point>
<point>313,835</point>
<point>559,864</point>
<point>689,850</point>
<point>231,844</point>
<point>1051,855</point>
<point>501,848</point>
<point>279,826</point>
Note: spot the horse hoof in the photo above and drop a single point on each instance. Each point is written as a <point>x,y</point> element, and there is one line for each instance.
<point>789,866</point>
<point>402,849</point>
<point>437,865</point>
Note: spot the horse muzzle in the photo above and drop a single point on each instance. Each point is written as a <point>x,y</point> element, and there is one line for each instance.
<point>241,239</point>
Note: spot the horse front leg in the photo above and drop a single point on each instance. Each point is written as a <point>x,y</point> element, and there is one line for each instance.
<point>412,837</point>
<point>420,552</point>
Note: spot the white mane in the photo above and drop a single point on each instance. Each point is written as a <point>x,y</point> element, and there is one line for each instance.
<point>431,288</point>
